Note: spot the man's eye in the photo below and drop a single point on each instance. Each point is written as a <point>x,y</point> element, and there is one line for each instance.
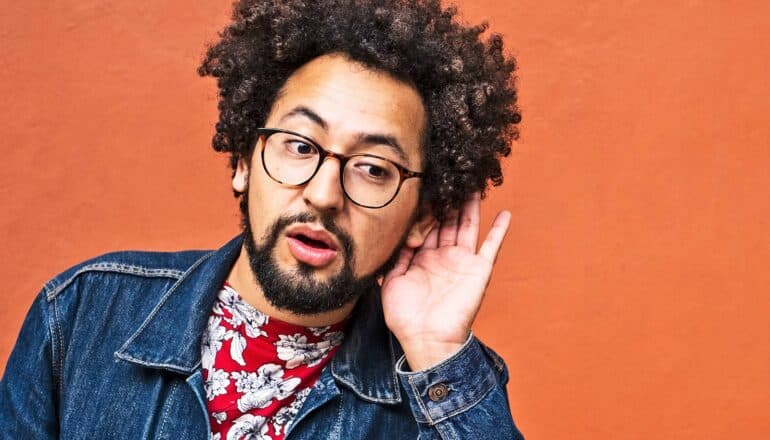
<point>374,171</point>
<point>300,148</point>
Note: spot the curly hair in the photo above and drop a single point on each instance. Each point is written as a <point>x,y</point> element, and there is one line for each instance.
<point>467,84</point>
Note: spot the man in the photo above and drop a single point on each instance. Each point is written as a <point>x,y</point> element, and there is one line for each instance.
<point>362,134</point>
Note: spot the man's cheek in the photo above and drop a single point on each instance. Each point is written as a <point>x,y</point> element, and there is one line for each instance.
<point>373,253</point>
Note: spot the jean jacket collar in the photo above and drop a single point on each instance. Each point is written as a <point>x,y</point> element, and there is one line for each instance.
<point>170,336</point>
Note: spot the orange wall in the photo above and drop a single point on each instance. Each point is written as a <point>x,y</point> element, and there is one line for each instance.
<point>632,295</point>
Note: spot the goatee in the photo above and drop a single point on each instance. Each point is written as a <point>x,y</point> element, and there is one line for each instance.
<point>297,289</point>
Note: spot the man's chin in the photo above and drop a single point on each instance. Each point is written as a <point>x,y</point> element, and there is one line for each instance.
<point>307,295</point>
<point>301,288</point>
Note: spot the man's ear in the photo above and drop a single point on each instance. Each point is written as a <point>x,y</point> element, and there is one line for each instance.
<point>423,223</point>
<point>241,176</point>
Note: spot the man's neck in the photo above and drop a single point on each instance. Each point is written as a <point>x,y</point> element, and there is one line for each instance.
<point>243,281</point>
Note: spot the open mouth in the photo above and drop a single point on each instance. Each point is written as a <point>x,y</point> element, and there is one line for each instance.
<point>315,238</point>
<point>311,242</point>
<point>313,247</point>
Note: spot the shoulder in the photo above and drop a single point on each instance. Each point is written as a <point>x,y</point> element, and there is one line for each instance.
<point>125,264</point>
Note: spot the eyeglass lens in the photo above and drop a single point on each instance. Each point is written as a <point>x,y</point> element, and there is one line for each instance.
<point>367,180</point>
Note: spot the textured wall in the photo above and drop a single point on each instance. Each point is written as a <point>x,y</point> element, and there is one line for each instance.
<point>631,297</point>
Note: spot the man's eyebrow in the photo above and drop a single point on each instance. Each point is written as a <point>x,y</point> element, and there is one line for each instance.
<point>306,112</point>
<point>384,139</point>
<point>364,138</point>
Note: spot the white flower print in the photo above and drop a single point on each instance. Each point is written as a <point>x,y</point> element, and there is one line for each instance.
<point>243,313</point>
<point>261,388</point>
<point>227,298</point>
<point>253,320</point>
<point>291,348</point>
<point>218,309</point>
<point>335,338</point>
<point>285,416</point>
<point>211,341</point>
<point>318,331</point>
<point>249,427</point>
<point>216,383</point>
<point>295,350</point>
<point>237,346</point>
<point>220,416</point>
<point>271,385</point>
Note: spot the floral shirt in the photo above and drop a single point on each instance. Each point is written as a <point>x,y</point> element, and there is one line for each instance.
<point>257,370</point>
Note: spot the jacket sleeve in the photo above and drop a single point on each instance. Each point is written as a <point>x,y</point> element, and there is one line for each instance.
<point>463,397</point>
<point>27,389</point>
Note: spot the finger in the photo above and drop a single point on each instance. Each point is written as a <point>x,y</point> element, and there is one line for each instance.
<point>402,264</point>
<point>494,239</point>
<point>468,231</point>
<point>431,241</point>
<point>447,235</point>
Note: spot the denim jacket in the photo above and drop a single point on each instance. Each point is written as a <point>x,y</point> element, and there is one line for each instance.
<point>111,349</point>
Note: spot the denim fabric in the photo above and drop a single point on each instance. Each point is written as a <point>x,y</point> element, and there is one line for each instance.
<point>110,349</point>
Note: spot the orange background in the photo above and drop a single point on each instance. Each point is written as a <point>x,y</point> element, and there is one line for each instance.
<point>632,295</point>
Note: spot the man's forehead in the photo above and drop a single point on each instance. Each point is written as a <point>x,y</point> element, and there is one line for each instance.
<point>344,97</point>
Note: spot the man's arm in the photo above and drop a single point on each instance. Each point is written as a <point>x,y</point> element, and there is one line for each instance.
<point>463,397</point>
<point>27,390</point>
<point>430,300</point>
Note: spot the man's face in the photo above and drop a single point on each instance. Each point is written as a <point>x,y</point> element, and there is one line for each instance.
<point>345,108</point>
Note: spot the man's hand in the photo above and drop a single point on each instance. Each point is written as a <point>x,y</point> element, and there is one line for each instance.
<point>433,293</point>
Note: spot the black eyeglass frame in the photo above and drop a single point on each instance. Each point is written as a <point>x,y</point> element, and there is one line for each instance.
<point>404,173</point>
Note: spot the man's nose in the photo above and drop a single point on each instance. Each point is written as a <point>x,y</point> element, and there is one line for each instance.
<point>324,190</point>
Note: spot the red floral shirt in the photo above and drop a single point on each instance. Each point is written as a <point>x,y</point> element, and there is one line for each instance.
<point>258,370</point>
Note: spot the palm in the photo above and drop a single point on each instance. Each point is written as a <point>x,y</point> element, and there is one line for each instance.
<point>432,295</point>
<point>438,284</point>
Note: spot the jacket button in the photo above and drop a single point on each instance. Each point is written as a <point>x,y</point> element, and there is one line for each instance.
<point>438,392</point>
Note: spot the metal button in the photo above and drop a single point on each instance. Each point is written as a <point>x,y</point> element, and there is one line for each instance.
<point>438,392</point>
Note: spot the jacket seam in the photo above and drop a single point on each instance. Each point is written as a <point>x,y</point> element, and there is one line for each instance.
<point>53,289</point>
<point>60,342</point>
<point>396,383</point>
<point>172,367</point>
<point>55,350</point>
<point>168,408</point>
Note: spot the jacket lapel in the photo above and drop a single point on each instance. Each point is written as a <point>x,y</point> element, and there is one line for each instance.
<point>169,338</point>
<point>366,362</point>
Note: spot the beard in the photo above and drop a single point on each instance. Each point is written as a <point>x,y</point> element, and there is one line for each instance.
<point>297,290</point>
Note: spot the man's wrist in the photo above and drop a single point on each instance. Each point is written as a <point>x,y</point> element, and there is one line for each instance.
<point>422,355</point>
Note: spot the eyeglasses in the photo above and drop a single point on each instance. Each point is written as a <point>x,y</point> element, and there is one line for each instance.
<point>294,159</point>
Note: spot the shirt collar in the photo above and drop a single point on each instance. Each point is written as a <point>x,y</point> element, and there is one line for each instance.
<point>170,336</point>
